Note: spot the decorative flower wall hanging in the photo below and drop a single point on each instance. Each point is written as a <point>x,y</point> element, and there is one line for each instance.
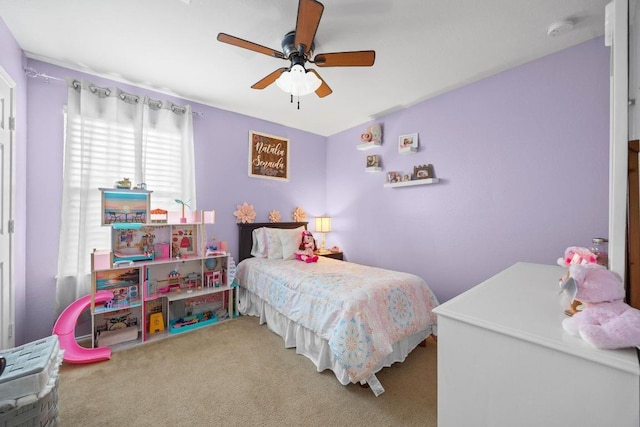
<point>299,215</point>
<point>245,213</point>
<point>274,216</point>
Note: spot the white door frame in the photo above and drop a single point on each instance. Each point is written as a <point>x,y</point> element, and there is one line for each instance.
<point>619,137</point>
<point>7,201</point>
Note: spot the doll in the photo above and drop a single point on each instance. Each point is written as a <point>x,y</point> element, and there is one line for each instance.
<point>574,255</point>
<point>306,248</point>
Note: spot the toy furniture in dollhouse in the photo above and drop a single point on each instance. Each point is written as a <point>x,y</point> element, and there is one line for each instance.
<point>159,216</point>
<point>212,279</point>
<point>156,322</point>
<point>191,281</point>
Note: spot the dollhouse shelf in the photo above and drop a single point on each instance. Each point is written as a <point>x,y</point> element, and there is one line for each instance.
<point>374,169</point>
<point>368,145</point>
<point>184,294</point>
<point>424,181</point>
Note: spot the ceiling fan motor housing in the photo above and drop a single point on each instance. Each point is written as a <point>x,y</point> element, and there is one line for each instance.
<point>290,51</point>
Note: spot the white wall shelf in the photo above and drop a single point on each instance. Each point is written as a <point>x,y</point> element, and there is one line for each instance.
<point>374,169</point>
<point>408,150</point>
<point>368,145</point>
<point>424,181</point>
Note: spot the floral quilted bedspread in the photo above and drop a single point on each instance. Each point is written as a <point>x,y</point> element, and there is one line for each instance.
<point>360,310</point>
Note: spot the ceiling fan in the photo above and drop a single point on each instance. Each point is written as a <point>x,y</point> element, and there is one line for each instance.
<point>297,47</point>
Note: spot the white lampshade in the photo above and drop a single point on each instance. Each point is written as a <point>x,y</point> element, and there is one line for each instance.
<point>298,81</point>
<point>323,224</point>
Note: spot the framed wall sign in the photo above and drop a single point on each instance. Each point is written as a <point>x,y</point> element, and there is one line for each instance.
<point>268,156</point>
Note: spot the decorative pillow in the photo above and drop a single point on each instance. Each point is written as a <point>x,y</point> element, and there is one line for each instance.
<point>272,243</point>
<point>259,247</point>
<point>290,240</point>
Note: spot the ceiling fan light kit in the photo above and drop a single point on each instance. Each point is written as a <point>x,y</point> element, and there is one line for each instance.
<point>297,47</point>
<point>298,81</point>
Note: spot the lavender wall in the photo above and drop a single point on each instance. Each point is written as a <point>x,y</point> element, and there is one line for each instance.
<point>523,162</point>
<point>523,159</point>
<point>221,149</point>
<point>12,61</point>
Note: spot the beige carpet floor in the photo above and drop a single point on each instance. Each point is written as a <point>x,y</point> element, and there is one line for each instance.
<point>238,373</point>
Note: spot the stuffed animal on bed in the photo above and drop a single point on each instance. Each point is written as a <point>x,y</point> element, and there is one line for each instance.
<point>307,246</point>
<point>605,321</point>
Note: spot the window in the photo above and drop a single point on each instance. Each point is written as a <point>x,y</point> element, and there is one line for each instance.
<point>107,138</point>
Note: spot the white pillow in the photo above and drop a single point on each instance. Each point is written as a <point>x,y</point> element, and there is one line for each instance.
<point>259,247</point>
<point>273,244</point>
<point>290,240</point>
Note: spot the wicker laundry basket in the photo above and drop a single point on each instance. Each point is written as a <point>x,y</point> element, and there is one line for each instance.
<point>29,384</point>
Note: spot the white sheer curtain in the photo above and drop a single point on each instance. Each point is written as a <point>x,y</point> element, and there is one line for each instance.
<point>110,135</point>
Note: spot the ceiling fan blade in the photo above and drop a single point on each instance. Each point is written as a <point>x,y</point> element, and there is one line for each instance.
<point>361,58</point>
<point>268,79</point>
<point>324,88</point>
<point>309,14</point>
<point>235,41</point>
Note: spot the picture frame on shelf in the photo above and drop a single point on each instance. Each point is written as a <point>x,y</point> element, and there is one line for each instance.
<point>423,171</point>
<point>371,137</point>
<point>394,176</point>
<point>373,134</point>
<point>408,143</point>
<point>373,161</point>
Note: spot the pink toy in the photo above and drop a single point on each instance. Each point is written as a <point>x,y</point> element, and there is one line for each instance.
<point>605,321</point>
<point>577,255</point>
<point>65,328</point>
<point>307,246</point>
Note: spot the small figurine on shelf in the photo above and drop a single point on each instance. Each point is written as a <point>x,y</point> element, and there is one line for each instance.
<point>124,184</point>
<point>183,219</point>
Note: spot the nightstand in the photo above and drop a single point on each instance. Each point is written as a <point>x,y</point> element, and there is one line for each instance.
<point>329,254</point>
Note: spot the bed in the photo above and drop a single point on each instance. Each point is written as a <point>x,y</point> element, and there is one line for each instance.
<point>346,317</point>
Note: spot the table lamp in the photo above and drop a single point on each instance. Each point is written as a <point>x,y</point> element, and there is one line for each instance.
<point>323,225</point>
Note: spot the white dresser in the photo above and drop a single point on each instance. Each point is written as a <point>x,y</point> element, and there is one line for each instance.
<point>504,360</point>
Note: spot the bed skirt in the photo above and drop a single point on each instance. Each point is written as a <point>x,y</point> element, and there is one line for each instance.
<point>311,345</point>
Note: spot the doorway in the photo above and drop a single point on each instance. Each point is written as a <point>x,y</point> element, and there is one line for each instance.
<point>7,164</point>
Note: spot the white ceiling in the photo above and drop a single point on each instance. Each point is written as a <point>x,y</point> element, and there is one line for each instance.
<point>423,48</point>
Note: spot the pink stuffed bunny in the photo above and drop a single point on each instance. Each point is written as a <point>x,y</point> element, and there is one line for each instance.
<point>307,246</point>
<point>605,321</point>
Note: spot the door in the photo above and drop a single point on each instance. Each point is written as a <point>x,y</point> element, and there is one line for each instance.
<point>7,293</point>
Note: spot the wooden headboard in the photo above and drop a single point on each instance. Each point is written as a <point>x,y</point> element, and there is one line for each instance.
<point>246,234</point>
